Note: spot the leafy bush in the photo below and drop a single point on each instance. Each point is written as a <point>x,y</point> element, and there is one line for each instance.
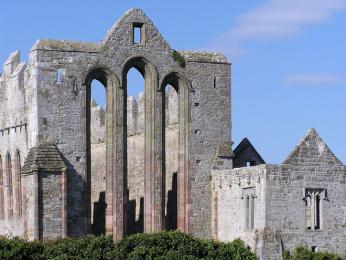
<point>164,245</point>
<point>305,253</point>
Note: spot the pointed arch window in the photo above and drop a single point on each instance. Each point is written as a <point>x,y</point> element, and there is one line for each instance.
<point>9,185</point>
<point>18,184</point>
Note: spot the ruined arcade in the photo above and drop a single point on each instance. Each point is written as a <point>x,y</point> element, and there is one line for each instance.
<point>46,104</point>
<point>162,160</point>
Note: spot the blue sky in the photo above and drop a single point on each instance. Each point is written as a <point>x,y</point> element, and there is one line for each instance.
<point>288,56</point>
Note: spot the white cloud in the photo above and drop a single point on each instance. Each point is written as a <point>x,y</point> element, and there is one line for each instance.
<point>276,19</point>
<point>313,79</point>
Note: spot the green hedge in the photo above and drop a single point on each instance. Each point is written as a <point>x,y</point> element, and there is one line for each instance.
<point>164,245</point>
<point>305,253</point>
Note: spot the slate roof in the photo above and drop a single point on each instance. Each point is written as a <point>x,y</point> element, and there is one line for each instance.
<point>245,143</point>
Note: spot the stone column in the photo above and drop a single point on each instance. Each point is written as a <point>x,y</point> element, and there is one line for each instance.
<point>64,204</point>
<point>35,207</point>
<point>313,212</point>
<point>183,189</point>
<point>153,175</point>
<point>119,168</point>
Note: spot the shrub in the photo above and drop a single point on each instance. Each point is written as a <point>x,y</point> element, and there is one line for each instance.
<point>179,58</point>
<point>159,246</point>
<point>305,253</point>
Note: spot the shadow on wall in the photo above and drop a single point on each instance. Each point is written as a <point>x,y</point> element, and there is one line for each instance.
<point>136,225</point>
<point>171,216</point>
<point>76,201</point>
<point>99,217</point>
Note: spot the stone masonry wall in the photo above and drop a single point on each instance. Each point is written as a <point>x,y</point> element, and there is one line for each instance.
<point>230,188</point>
<point>210,130</point>
<point>281,204</point>
<point>17,128</point>
<point>50,205</point>
<point>285,211</point>
<point>51,100</point>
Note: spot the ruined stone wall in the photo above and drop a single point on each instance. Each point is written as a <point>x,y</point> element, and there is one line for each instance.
<point>230,188</point>
<point>53,103</point>
<point>18,116</point>
<point>286,208</point>
<point>280,214</point>
<point>210,76</point>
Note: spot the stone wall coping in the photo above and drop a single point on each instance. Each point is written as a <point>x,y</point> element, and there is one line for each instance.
<point>64,45</point>
<point>203,56</point>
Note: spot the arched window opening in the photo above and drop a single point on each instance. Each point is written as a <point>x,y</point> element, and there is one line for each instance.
<point>176,161</point>
<point>135,150</point>
<point>18,188</point>
<point>1,190</point>
<point>9,185</point>
<point>171,148</point>
<point>97,143</point>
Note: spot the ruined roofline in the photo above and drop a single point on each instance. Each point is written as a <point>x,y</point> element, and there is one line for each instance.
<point>64,45</point>
<point>138,12</point>
<point>203,56</point>
<point>12,66</point>
<point>80,46</point>
<point>13,56</point>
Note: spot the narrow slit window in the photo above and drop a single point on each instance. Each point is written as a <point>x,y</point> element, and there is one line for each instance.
<point>249,212</point>
<point>313,208</point>
<point>138,34</point>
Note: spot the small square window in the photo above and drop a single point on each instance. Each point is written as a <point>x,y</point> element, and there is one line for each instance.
<point>138,33</point>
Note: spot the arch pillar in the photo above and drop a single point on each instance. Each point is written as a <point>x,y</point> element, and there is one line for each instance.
<point>154,189</point>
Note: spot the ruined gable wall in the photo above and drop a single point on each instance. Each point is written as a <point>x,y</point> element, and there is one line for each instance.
<point>61,115</point>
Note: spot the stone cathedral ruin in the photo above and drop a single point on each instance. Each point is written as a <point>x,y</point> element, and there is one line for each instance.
<point>162,161</point>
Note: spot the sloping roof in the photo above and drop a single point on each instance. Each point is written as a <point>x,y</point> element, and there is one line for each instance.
<point>312,150</point>
<point>44,157</point>
<point>246,144</point>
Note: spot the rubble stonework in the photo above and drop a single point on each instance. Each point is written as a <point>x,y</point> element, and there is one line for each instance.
<point>47,99</point>
<point>277,199</point>
<point>69,167</point>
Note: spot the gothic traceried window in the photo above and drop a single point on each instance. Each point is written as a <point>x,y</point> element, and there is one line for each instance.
<point>313,208</point>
